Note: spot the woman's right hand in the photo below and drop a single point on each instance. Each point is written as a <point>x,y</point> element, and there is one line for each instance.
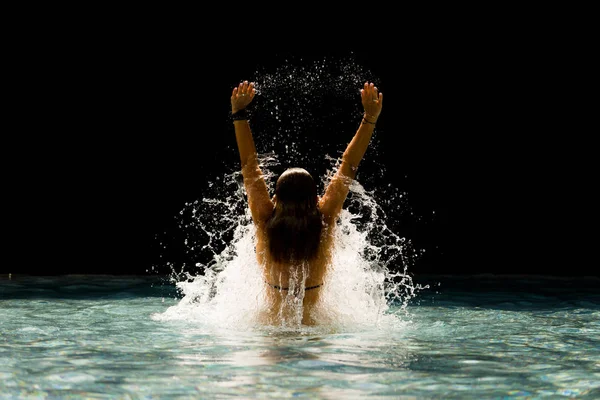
<point>371,101</point>
<point>241,96</point>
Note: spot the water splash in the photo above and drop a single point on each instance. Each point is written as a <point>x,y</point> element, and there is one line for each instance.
<point>368,282</point>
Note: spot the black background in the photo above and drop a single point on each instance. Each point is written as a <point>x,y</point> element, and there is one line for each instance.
<point>126,131</point>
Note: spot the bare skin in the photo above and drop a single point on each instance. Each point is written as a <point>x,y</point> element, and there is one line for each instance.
<point>284,303</point>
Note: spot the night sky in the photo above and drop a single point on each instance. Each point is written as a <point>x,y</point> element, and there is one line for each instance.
<point>138,131</point>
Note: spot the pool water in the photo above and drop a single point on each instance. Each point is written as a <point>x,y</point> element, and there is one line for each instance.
<point>465,337</point>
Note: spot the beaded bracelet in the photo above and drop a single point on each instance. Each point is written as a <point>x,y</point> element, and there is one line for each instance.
<point>369,122</point>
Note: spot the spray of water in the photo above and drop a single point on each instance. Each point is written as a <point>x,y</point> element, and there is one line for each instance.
<point>368,281</point>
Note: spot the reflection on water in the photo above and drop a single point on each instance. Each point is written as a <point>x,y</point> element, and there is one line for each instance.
<point>364,350</point>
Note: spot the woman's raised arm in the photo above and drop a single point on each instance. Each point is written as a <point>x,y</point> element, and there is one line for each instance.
<point>337,190</point>
<point>259,201</point>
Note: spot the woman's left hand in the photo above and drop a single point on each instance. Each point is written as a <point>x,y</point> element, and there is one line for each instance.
<point>241,96</point>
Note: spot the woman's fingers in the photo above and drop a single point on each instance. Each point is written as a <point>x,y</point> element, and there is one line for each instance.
<point>370,93</point>
<point>244,89</point>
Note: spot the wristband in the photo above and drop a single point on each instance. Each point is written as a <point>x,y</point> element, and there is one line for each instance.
<point>240,115</point>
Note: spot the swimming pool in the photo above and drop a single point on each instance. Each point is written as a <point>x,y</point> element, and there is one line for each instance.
<point>467,337</point>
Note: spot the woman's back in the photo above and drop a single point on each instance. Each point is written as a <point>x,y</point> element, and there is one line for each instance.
<point>292,289</point>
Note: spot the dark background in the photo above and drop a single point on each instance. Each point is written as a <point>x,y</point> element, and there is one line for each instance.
<point>130,130</point>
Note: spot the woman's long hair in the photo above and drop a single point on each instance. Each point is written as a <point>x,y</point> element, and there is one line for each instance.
<point>294,228</point>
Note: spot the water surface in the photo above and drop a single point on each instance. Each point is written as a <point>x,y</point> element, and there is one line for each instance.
<point>466,338</point>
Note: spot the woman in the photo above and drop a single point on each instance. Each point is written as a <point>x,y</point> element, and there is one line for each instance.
<point>294,229</point>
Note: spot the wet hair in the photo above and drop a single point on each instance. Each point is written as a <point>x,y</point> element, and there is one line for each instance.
<point>294,228</point>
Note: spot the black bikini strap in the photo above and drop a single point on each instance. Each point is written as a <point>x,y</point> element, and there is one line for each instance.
<point>287,288</point>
